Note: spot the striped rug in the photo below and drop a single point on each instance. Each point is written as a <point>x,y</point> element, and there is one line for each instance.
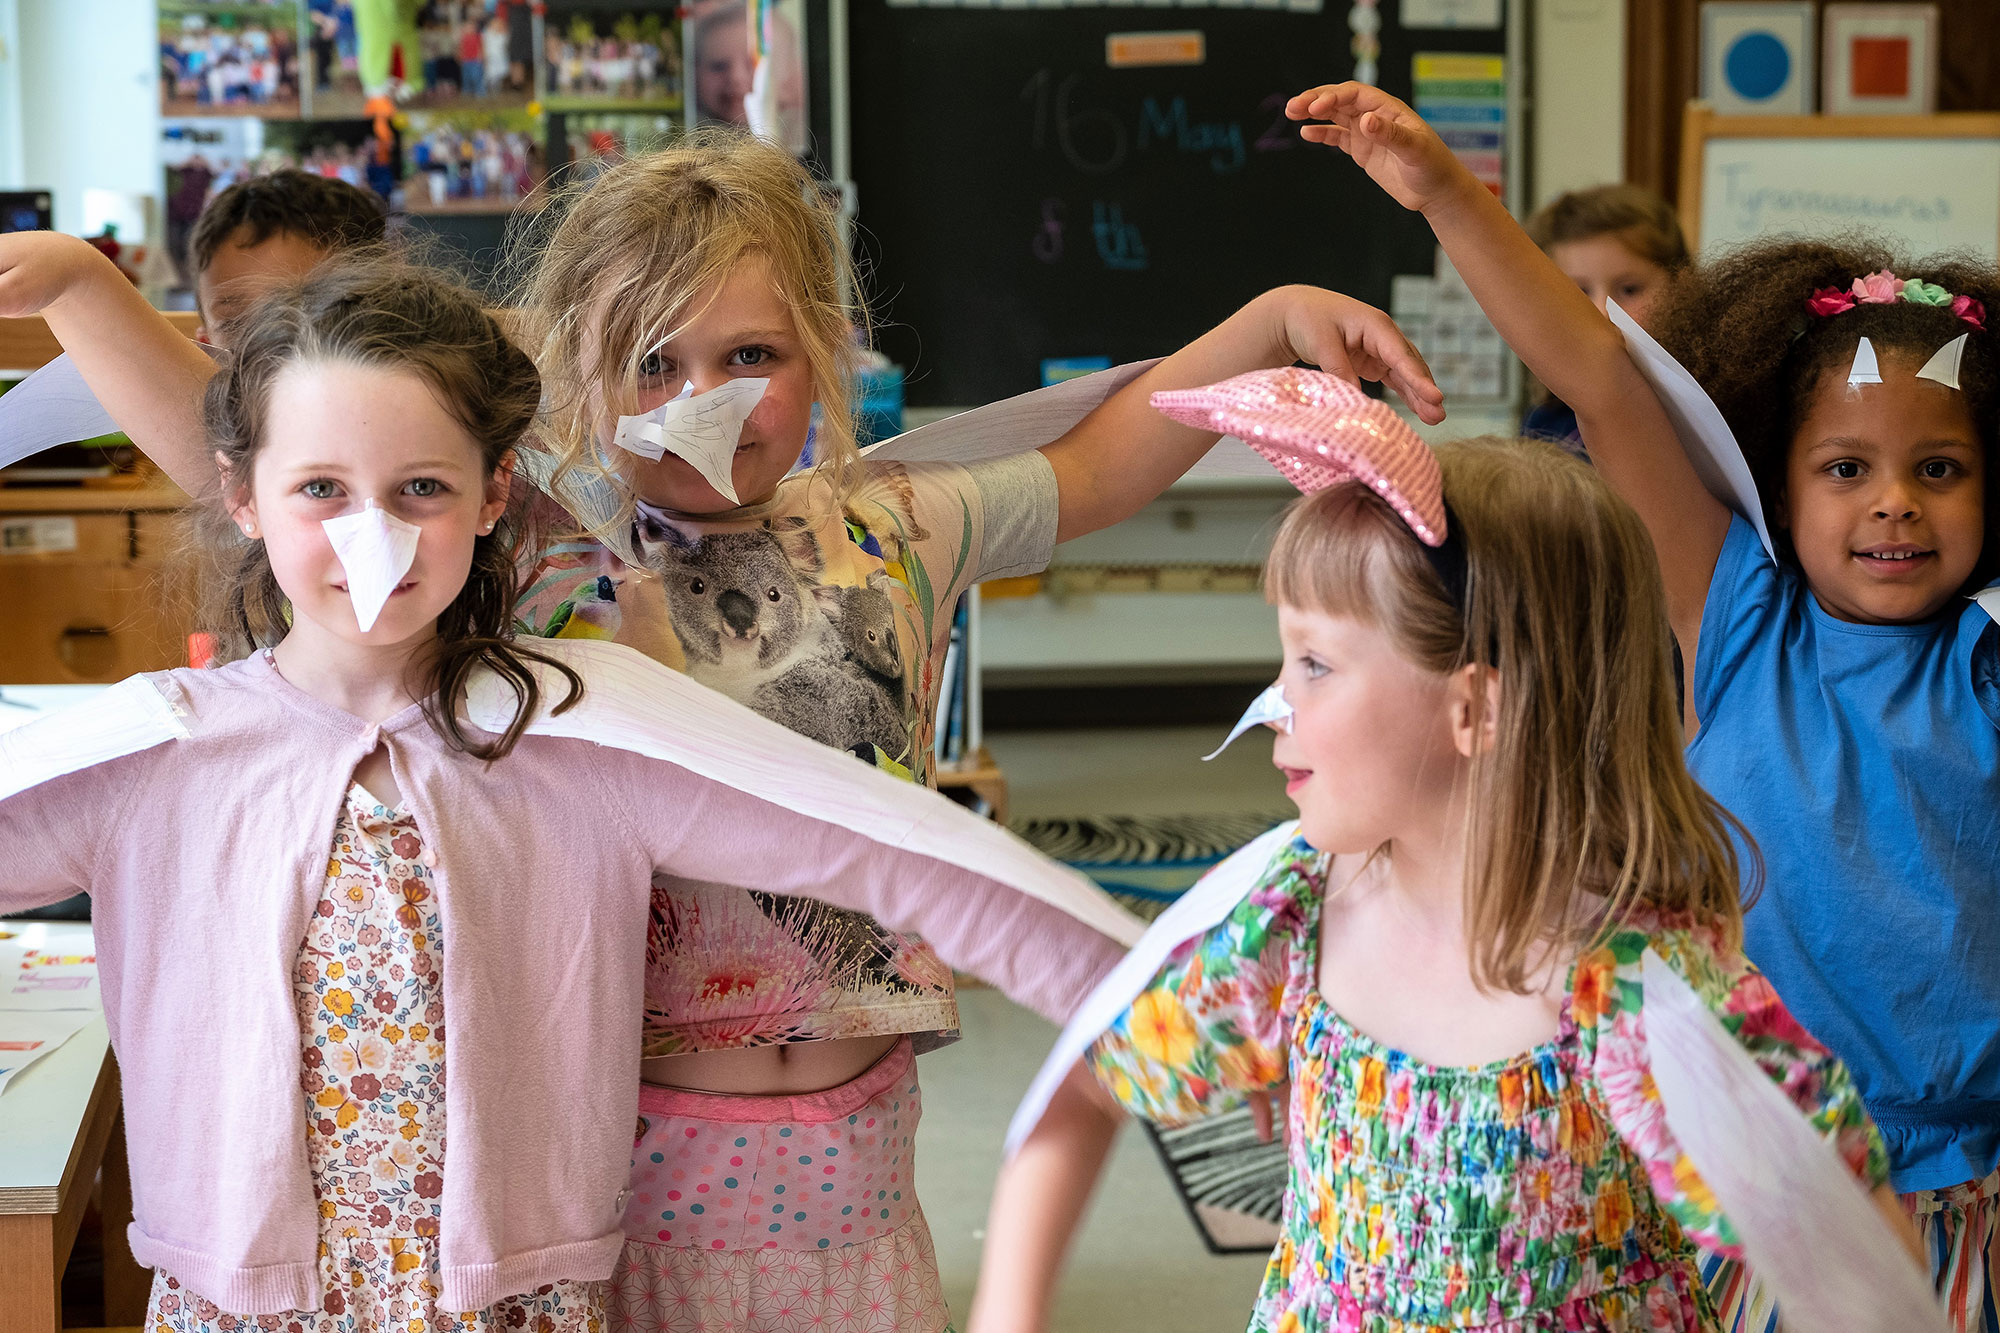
<point>1231,1185</point>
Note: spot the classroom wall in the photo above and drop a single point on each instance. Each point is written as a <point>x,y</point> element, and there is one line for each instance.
<point>89,86</point>
<point>1578,116</point>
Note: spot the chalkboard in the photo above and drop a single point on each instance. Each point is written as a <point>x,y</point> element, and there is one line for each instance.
<point>1927,183</point>
<point>1019,199</point>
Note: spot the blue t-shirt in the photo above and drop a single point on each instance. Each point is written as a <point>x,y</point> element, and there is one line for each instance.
<point>1865,761</point>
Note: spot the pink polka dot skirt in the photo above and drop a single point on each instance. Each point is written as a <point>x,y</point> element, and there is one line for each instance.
<point>779,1213</point>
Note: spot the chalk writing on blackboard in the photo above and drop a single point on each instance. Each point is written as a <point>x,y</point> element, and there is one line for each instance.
<point>1119,244</point>
<point>1097,142</point>
<point>1048,242</point>
<point>1221,141</point>
<point>1091,139</point>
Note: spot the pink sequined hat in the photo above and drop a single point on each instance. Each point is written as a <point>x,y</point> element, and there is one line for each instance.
<point>1319,430</point>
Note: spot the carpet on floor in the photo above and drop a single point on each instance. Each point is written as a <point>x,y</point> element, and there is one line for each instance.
<point>1231,1184</point>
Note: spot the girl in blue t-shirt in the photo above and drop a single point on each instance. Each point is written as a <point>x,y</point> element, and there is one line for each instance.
<point>1844,692</point>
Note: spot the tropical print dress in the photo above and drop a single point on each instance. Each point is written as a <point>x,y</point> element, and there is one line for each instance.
<point>1541,1192</point>
<point>835,623</point>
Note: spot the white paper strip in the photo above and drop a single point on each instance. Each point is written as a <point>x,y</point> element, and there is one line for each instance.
<point>375,550</point>
<point>1866,369</point>
<point>1200,909</point>
<point>1943,365</point>
<point>123,719</point>
<point>1268,707</point>
<point>633,703</point>
<point>1989,602</point>
<point>53,406</point>
<point>1709,443</point>
<point>1809,1230</point>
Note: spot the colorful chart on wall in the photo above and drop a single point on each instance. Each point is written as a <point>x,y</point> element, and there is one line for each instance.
<point>1757,59</point>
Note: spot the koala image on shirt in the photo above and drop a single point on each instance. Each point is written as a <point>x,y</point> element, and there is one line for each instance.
<point>757,624</point>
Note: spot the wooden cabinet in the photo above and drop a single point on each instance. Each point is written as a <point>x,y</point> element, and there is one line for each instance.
<point>87,583</point>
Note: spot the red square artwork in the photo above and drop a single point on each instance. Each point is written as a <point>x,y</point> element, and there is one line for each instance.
<point>1880,67</point>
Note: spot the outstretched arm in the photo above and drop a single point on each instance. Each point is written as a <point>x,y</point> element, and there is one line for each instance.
<point>1548,322</point>
<point>1120,457</point>
<point>1038,1202</point>
<point>149,377</point>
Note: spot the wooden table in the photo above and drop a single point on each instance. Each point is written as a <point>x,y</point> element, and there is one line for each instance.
<point>59,1126</point>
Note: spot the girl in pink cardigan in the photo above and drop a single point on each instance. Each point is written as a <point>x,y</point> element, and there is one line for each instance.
<point>390,823</point>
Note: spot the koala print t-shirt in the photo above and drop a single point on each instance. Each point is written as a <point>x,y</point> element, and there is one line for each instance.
<point>836,625</point>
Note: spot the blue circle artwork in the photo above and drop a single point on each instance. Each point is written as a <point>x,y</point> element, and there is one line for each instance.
<point>1757,66</point>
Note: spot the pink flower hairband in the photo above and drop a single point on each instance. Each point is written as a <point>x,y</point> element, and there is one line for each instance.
<point>1885,288</point>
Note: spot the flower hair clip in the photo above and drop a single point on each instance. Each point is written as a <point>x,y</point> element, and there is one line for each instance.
<point>1885,288</point>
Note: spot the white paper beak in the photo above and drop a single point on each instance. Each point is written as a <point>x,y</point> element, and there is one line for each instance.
<point>1943,365</point>
<point>701,429</point>
<point>375,549</point>
<point>1866,369</point>
<point>1267,709</point>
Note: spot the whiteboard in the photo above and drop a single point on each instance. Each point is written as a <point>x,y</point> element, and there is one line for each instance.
<point>1924,194</point>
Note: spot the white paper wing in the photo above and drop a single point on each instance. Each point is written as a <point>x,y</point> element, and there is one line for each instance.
<point>1710,445</point>
<point>1031,420</point>
<point>52,406</point>
<point>1199,909</point>
<point>1809,1231</point>
<point>126,718</point>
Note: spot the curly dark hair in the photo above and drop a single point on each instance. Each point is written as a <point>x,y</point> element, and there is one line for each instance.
<point>1741,327</point>
<point>368,309</point>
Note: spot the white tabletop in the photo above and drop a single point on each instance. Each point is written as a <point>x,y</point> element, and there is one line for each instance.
<point>42,1110</point>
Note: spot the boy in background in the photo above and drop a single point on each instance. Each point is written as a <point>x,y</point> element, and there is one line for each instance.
<point>268,230</point>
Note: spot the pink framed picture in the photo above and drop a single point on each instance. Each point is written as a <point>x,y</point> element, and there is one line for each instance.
<point>1879,59</point>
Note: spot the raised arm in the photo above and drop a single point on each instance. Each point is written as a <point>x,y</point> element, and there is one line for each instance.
<point>148,376</point>
<point>1117,459</point>
<point>1548,322</point>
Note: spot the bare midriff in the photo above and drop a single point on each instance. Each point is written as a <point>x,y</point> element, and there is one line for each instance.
<point>764,1071</point>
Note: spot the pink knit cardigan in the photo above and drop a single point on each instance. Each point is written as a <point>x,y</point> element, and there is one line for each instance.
<point>203,856</point>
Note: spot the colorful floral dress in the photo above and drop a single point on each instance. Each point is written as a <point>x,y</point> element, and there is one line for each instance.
<point>371,1015</point>
<point>1540,1192</point>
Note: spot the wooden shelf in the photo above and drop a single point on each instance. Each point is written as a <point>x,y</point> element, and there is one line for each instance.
<point>979,773</point>
<point>27,344</point>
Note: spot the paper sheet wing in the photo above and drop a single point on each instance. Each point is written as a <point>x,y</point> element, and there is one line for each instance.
<point>52,406</point>
<point>1711,446</point>
<point>1808,1229</point>
<point>129,717</point>
<point>1198,910</point>
<point>1031,420</point>
<point>636,704</point>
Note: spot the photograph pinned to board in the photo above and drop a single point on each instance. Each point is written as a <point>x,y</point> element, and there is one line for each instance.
<point>1757,59</point>
<point>746,66</point>
<point>471,161</point>
<point>1879,60</point>
<point>596,60</point>
<point>229,59</point>
<point>442,53</point>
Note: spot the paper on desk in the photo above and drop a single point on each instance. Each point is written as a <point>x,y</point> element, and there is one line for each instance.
<point>1200,909</point>
<point>41,981</point>
<point>1710,445</point>
<point>1809,1230</point>
<point>27,1037</point>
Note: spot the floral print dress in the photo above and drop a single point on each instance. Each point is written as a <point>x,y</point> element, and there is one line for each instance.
<point>1540,1192</point>
<point>371,1018</point>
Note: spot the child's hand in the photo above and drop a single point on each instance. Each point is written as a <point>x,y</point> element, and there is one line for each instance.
<point>38,268</point>
<point>1389,141</point>
<point>1345,337</point>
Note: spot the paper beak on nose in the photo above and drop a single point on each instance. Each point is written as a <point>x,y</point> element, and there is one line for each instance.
<point>1267,709</point>
<point>700,429</point>
<point>375,550</point>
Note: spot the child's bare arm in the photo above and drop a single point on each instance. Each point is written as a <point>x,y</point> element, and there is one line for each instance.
<point>1548,321</point>
<point>1121,456</point>
<point>1038,1202</point>
<point>148,376</point>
